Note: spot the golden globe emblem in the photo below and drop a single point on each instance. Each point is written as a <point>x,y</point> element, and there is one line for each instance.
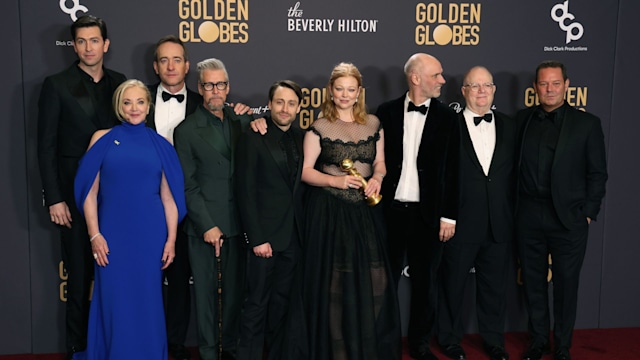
<point>347,166</point>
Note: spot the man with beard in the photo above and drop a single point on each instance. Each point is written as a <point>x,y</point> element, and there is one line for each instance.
<point>269,194</point>
<point>206,144</point>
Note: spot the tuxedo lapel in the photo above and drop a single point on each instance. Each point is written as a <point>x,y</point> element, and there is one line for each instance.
<point>565,132</point>
<point>151,118</point>
<point>213,137</point>
<point>80,94</point>
<point>297,138</point>
<point>193,100</point>
<point>500,150</point>
<point>277,154</point>
<point>467,144</point>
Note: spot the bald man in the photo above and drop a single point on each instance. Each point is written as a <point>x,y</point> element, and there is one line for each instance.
<point>420,189</point>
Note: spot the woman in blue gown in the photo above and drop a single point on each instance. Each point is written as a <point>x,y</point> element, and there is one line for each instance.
<point>130,185</point>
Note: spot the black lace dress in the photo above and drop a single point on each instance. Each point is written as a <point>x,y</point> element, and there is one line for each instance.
<point>349,296</point>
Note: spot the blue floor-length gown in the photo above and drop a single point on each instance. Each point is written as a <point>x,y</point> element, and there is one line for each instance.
<point>126,319</point>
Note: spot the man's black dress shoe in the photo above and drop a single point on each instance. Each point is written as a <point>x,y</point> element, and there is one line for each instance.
<point>535,352</point>
<point>454,351</point>
<point>496,352</point>
<point>562,354</point>
<point>179,352</point>
<point>423,353</point>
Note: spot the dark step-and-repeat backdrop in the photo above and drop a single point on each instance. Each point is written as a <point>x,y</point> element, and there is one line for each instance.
<point>266,40</point>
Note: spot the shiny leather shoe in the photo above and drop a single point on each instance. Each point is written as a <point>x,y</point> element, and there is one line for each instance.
<point>424,353</point>
<point>535,352</point>
<point>496,352</point>
<point>454,351</point>
<point>562,354</point>
<point>179,352</point>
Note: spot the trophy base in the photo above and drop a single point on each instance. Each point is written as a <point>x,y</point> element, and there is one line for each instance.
<point>373,200</point>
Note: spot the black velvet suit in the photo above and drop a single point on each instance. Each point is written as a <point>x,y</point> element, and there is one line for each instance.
<point>483,232</point>
<point>558,226</point>
<point>270,204</point>
<point>416,230</point>
<point>67,118</point>
<point>178,298</point>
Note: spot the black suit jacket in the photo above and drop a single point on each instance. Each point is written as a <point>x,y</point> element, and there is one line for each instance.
<point>579,169</point>
<point>487,200</point>
<point>437,158</point>
<point>66,121</point>
<point>270,204</point>
<point>193,100</point>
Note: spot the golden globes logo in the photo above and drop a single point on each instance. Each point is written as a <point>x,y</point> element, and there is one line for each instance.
<point>311,103</point>
<point>454,24</point>
<point>224,21</point>
<point>62,273</point>
<point>575,96</point>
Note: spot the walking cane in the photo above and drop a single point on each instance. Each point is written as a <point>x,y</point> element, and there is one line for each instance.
<point>219,268</point>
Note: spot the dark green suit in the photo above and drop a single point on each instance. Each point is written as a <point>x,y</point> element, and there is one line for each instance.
<point>206,147</point>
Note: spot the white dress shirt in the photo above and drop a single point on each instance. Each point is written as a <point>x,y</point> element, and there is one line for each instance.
<point>483,137</point>
<point>408,189</point>
<point>170,113</point>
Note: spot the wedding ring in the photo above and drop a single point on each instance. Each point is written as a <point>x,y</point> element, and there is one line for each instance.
<point>351,186</point>
<point>95,256</point>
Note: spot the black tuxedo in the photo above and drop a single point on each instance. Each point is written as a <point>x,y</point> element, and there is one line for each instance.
<point>178,296</point>
<point>270,204</point>
<point>414,227</point>
<point>483,231</point>
<point>68,116</point>
<point>556,224</point>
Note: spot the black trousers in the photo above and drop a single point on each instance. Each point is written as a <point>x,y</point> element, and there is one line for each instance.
<point>540,233</point>
<point>408,232</point>
<point>178,293</point>
<point>265,310</point>
<point>490,260</point>
<point>79,263</point>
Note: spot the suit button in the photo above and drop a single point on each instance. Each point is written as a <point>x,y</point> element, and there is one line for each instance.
<point>489,179</point>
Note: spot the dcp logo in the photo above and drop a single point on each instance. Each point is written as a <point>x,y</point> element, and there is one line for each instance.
<point>74,10</point>
<point>563,9</point>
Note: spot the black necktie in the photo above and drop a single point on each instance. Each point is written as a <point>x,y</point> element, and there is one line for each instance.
<point>412,107</point>
<point>166,96</point>
<point>486,117</point>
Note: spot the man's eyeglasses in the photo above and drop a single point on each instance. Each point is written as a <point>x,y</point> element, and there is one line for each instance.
<point>475,87</point>
<point>220,85</point>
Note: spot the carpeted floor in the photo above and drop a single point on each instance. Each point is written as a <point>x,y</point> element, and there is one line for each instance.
<point>590,344</point>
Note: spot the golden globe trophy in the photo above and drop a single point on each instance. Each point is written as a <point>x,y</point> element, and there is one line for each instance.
<point>347,166</point>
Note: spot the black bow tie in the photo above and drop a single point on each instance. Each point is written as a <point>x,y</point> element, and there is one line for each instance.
<point>486,117</point>
<point>412,107</point>
<point>166,96</point>
<point>546,115</point>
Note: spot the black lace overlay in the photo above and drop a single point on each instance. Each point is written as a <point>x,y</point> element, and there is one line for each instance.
<point>350,304</point>
<point>347,140</point>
